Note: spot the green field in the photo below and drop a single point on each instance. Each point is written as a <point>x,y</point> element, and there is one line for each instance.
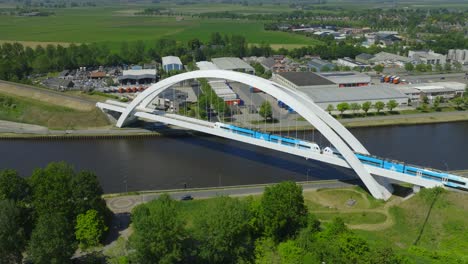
<point>114,25</point>
<point>30,111</point>
<point>397,223</point>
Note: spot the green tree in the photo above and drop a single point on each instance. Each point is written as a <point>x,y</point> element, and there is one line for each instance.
<point>458,66</point>
<point>342,107</point>
<point>265,110</point>
<point>392,104</point>
<point>13,187</point>
<point>439,67</point>
<point>52,190</point>
<point>379,68</point>
<point>330,108</point>
<point>379,106</point>
<point>265,252</point>
<point>428,67</point>
<point>283,211</point>
<point>458,102</point>
<point>366,106</point>
<point>87,193</point>
<point>158,232</point>
<point>355,107</point>
<point>290,253</point>
<point>448,67</point>
<point>224,233</point>
<point>421,67</point>
<point>436,103</point>
<point>12,233</point>
<point>409,67</point>
<point>89,229</point>
<point>52,240</point>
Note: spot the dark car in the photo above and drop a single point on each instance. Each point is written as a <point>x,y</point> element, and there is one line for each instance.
<point>186,197</point>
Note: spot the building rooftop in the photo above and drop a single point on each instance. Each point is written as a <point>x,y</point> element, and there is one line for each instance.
<point>319,63</point>
<point>346,77</point>
<point>206,65</point>
<point>385,56</point>
<point>364,56</point>
<point>171,60</point>
<point>305,78</point>
<point>232,63</point>
<point>268,62</point>
<point>140,72</point>
<point>353,61</point>
<point>363,93</point>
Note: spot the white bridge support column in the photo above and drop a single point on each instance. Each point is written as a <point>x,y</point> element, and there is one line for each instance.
<point>331,129</point>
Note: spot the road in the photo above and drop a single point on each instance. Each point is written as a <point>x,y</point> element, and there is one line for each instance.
<point>124,204</point>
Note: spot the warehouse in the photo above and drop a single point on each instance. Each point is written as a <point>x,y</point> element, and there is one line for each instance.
<point>351,63</point>
<point>446,90</point>
<point>143,76</point>
<point>318,65</point>
<point>206,65</point>
<point>324,96</point>
<point>233,64</point>
<point>347,79</point>
<point>298,80</point>
<point>172,63</point>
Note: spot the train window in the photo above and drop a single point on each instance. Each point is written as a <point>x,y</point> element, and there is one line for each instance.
<point>304,146</point>
<point>274,140</point>
<point>287,143</point>
<point>225,128</point>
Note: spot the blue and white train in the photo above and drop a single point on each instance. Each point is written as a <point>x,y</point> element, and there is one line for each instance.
<point>447,179</point>
<point>269,137</point>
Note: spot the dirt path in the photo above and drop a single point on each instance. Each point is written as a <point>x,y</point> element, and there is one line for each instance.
<point>389,220</point>
<point>47,96</point>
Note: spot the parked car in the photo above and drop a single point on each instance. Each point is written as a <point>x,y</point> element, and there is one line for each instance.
<point>186,197</point>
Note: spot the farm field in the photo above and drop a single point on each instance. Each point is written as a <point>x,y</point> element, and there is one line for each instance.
<point>114,25</point>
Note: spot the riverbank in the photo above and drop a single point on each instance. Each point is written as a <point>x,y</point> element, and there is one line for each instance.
<point>12,130</point>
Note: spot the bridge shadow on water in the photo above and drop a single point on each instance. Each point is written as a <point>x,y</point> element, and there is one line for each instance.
<point>297,166</point>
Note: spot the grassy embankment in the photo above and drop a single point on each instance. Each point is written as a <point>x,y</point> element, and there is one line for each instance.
<point>116,24</point>
<point>417,227</point>
<point>26,110</point>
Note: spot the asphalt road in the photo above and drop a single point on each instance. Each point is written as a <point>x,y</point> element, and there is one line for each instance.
<point>124,204</point>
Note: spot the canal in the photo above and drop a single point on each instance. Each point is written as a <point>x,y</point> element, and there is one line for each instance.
<point>201,161</point>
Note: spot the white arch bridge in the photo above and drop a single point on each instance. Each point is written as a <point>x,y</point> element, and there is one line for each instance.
<point>376,173</point>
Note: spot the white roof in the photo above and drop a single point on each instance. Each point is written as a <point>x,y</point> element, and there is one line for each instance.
<point>206,65</point>
<point>457,86</point>
<point>231,63</point>
<point>171,60</point>
<point>139,72</point>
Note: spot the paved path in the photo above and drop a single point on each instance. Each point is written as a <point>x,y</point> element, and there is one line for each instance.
<point>124,204</point>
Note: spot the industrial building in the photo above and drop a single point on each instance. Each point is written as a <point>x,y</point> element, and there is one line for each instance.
<point>172,63</point>
<point>298,80</point>
<point>135,76</point>
<point>324,96</point>
<point>351,63</point>
<point>317,65</point>
<point>446,90</point>
<point>427,57</point>
<point>458,55</point>
<point>233,64</point>
<point>389,59</point>
<point>347,79</point>
<point>170,99</point>
<point>206,65</point>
